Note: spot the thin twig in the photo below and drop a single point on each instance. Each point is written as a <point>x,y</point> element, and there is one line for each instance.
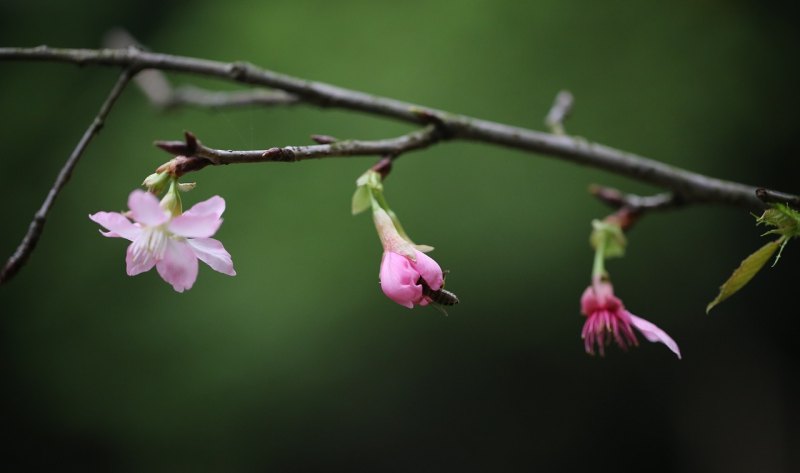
<point>36,227</point>
<point>160,92</point>
<point>192,155</point>
<point>562,106</point>
<point>776,197</point>
<point>693,187</point>
<point>617,199</point>
<point>197,97</point>
<point>158,89</point>
<point>631,207</point>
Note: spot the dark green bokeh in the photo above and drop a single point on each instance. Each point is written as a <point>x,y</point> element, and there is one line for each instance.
<point>299,362</point>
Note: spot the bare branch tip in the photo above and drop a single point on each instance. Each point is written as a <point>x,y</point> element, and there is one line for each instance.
<point>607,195</point>
<point>559,112</point>
<point>324,139</point>
<point>384,166</point>
<point>174,148</point>
<point>769,196</point>
<point>191,140</point>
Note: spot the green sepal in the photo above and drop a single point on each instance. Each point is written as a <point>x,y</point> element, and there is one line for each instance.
<point>371,179</point>
<point>157,182</point>
<point>610,237</point>
<point>368,189</point>
<point>186,186</point>
<point>361,200</point>
<point>746,270</point>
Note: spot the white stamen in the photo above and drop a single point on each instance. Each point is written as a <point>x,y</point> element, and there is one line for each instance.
<point>152,241</point>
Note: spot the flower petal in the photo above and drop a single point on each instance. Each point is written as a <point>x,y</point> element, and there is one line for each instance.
<point>212,253</point>
<point>138,263</point>
<point>429,270</point>
<point>201,221</point>
<point>399,280</point>
<point>146,209</point>
<point>654,334</point>
<point>213,206</point>
<point>194,225</point>
<point>179,265</point>
<point>117,224</point>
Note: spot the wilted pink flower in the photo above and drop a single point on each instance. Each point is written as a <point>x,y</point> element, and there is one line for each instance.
<point>402,277</point>
<point>172,244</point>
<point>608,320</point>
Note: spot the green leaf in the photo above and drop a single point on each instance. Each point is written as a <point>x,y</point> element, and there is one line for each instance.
<point>362,200</point>
<point>785,220</point>
<point>745,272</point>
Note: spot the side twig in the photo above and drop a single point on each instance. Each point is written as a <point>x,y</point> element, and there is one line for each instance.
<point>630,207</point>
<point>562,106</point>
<point>189,95</point>
<point>192,155</point>
<point>158,89</point>
<point>36,227</point>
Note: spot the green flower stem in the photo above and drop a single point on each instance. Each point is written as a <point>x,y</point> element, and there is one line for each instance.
<point>599,266</point>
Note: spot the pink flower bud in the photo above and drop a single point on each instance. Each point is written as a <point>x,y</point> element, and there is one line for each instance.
<point>402,278</point>
<point>607,320</point>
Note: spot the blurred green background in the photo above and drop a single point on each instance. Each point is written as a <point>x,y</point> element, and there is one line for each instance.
<point>300,363</point>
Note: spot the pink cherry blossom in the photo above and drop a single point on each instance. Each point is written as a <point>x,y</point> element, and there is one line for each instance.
<point>608,320</point>
<point>402,277</point>
<point>172,244</point>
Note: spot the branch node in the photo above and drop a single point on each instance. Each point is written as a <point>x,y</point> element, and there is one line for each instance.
<point>431,117</point>
<point>180,165</point>
<point>279,154</point>
<point>238,70</point>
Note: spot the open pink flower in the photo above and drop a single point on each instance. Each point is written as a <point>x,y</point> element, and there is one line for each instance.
<point>402,278</point>
<point>171,244</point>
<point>608,320</point>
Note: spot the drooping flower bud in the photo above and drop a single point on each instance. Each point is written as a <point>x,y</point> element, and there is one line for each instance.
<point>157,182</point>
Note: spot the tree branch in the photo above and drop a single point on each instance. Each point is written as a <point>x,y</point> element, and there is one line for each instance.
<point>192,155</point>
<point>692,187</point>
<point>36,227</point>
